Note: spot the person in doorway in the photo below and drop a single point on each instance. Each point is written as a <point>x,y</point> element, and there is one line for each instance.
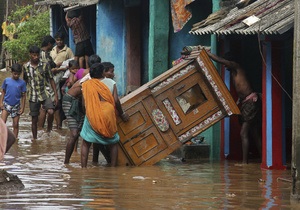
<point>81,36</point>
<point>13,97</point>
<point>100,93</point>
<point>249,102</point>
<point>38,75</point>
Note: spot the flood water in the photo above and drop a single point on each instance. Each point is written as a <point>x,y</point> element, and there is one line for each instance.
<point>169,184</point>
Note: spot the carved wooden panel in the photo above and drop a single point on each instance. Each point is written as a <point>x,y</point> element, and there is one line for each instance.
<point>171,109</point>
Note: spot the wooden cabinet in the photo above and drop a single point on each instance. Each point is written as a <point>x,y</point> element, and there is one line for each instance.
<point>171,109</point>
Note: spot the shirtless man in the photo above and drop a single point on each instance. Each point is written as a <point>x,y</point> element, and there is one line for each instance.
<point>249,101</point>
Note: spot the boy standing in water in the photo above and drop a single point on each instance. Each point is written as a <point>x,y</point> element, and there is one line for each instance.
<point>12,99</point>
<point>36,75</point>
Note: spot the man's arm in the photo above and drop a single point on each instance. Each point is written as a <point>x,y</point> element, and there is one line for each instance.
<point>49,75</point>
<point>68,20</point>
<point>25,77</point>
<point>1,98</point>
<point>23,99</point>
<point>124,116</point>
<point>54,90</point>
<point>228,64</point>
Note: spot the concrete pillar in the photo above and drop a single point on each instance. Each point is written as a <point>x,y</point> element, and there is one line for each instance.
<point>213,133</point>
<point>272,135</point>
<point>158,37</point>
<point>296,104</point>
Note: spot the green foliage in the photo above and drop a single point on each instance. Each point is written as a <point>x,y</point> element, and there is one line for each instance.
<point>31,26</point>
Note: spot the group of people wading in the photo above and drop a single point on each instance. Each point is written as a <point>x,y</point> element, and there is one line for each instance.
<point>60,85</point>
<point>80,88</point>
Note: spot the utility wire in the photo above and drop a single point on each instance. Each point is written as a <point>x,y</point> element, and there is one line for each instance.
<point>264,61</point>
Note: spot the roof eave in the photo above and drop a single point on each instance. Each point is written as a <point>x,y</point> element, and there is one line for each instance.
<point>82,3</point>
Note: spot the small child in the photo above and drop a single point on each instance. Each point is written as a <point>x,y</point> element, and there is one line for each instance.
<point>12,99</point>
<point>73,68</point>
<point>109,70</point>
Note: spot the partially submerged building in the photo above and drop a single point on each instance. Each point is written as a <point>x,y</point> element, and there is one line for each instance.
<point>138,37</point>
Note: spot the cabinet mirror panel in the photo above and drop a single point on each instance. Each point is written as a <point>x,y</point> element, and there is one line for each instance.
<point>191,99</point>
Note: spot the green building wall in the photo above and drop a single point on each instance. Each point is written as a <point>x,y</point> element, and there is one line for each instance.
<point>165,46</point>
<point>158,37</point>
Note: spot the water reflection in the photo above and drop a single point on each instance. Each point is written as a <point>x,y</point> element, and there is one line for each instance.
<point>170,184</point>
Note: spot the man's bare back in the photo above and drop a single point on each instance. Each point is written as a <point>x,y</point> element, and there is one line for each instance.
<point>241,83</point>
<point>238,75</point>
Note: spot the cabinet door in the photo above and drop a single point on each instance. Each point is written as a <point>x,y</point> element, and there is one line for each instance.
<point>187,102</point>
<point>141,138</point>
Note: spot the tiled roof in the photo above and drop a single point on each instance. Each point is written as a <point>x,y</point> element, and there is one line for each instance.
<point>68,2</point>
<point>276,17</point>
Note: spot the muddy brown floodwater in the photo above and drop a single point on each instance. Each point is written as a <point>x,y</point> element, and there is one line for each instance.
<point>170,184</point>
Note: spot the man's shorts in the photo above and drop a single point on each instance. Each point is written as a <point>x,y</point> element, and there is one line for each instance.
<point>12,110</point>
<point>56,107</point>
<point>84,48</point>
<point>35,106</point>
<point>251,112</point>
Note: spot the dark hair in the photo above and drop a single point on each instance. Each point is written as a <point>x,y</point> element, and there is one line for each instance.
<point>16,68</point>
<point>73,13</point>
<point>48,39</point>
<point>34,49</point>
<point>59,34</point>
<point>94,59</point>
<point>96,70</point>
<point>107,65</point>
<point>73,63</point>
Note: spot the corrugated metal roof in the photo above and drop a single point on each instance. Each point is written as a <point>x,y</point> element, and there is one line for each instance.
<point>276,17</point>
<point>68,3</point>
